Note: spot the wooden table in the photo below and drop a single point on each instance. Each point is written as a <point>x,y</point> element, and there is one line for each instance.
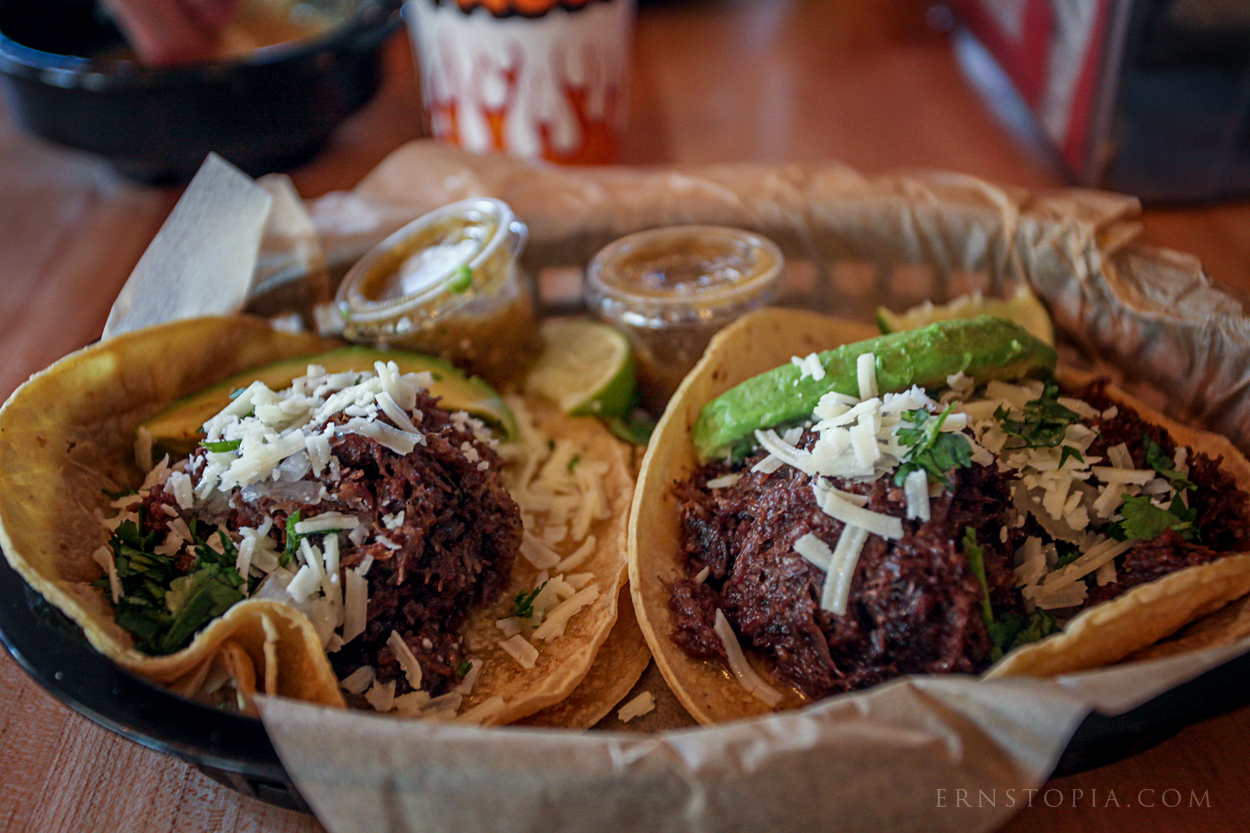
<point>869,83</point>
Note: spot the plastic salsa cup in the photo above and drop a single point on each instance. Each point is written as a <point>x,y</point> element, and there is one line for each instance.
<point>671,289</point>
<point>448,284</point>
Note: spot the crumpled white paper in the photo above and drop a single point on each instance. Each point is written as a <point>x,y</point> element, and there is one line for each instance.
<point>201,261</point>
<point>898,757</point>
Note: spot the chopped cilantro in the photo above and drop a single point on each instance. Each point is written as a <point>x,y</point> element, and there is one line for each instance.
<point>160,607</point>
<point>576,458</point>
<point>292,539</point>
<point>1067,553</point>
<point>1013,630</point>
<point>523,604</point>
<point>932,450</point>
<point>463,280</point>
<point>1043,423</point>
<point>1067,453</point>
<point>1143,521</point>
<point>1164,465</point>
<point>463,669</point>
<point>193,601</point>
<point>224,445</point>
<point>1009,630</point>
<point>976,560</point>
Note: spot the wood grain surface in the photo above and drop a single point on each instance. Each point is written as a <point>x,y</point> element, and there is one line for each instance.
<point>869,82</point>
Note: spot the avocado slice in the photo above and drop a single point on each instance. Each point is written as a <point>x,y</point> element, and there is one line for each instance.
<point>984,348</point>
<point>176,430</point>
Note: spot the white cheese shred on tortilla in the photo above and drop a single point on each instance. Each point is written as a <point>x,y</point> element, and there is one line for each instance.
<point>724,481</point>
<point>483,711</point>
<point>520,649</point>
<point>1068,595</point>
<point>412,668</point>
<point>400,442</point>
<point>381,696</point>
<point>785,452</point>
<point>358,681</point>
<point>397,415</point>
<point>537,552</point>
<point>1096,556</point>
<point>565,611</point>
<point>809,365</point>
<point>1031,561</point>
<point>1110,474</point>
<point>104,557</point>
<point>1120,456</point>
<point>183,491</point>
<point>355,604</point>
<point>741,669</point>
<point>579,555</point>
<point>465,686</point>
<point>812,548</point>
<point>326,522</point>
<point>838,508</point>
<point>837,587</point>
<point>642,704</point>
<point>243,563</point>
<point>866,370</point>
<point>916,488</point>
<point>306,581</point>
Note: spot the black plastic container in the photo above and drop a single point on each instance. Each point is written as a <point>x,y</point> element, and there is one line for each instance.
<point>268,112</point>
<point>235,751</point>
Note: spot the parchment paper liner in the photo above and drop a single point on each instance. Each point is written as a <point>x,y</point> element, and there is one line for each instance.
<point>871,761</point>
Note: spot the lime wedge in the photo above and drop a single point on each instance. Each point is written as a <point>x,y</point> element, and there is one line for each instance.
<point>1023,308</point>
<point>586,368</point>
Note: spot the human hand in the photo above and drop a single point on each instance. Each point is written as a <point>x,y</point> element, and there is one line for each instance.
<point>172,32</point>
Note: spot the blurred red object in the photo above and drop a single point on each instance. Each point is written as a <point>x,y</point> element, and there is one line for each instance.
<point>1144,96</point>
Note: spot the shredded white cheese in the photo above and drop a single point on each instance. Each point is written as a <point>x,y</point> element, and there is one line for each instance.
<point>519,648</point>
<point>644,703</point>
<point>359,680</point>
<point>741,669</point>
<point>408,662</point>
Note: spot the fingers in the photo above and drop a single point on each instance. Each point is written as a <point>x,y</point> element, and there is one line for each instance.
<point>215,14</point>
<point>172,32</point>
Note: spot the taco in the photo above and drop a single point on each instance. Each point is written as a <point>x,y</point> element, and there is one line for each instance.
<point>339,537</point>
<point>799,534</point>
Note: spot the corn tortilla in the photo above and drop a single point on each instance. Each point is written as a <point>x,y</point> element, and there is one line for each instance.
<point>767,338</point>
<point>67,439</point>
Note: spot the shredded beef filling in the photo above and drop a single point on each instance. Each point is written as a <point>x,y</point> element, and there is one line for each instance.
<point>915,604</point>
<point>452,554</point>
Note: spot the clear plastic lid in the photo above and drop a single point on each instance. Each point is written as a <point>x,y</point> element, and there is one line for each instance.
<point>682,275</point>
<point>455,257</point>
